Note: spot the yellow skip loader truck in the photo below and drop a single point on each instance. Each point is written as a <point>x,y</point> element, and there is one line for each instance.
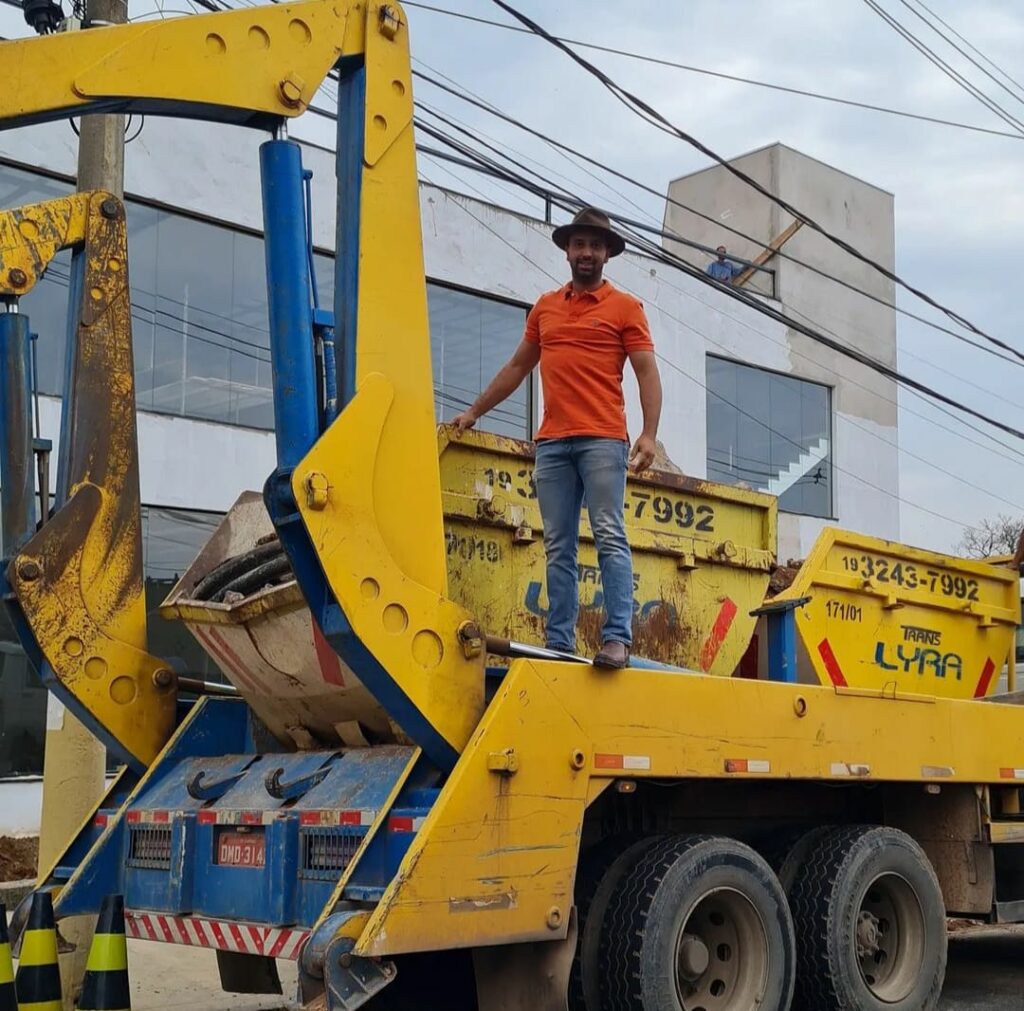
<point>400,789</point>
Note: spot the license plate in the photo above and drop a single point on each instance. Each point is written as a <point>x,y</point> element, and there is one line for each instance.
<point>241,849</point>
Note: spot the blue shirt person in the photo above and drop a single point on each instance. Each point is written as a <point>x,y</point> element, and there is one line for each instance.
<point>722,269</point>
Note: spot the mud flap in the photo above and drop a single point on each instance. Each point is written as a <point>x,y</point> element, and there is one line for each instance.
<point>526,977</point>
<point>241,972</point>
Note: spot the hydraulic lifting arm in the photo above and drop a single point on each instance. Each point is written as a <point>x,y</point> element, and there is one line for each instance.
<point>78,581</point>
<point>357,503</point>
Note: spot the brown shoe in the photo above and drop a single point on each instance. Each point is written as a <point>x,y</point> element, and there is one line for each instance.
<point>613,656</point>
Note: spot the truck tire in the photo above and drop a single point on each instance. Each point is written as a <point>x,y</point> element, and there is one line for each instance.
<point>870,922</point>
<point>788,857</point>
<point>601,868</point>
<point>699,924</point>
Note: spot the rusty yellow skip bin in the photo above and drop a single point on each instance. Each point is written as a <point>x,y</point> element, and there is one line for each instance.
<point>887,617</point>
<point>702,553</point>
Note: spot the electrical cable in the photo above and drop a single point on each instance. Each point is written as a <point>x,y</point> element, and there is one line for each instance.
<point>995,66</point>
<point>963,52</point>
<point>853,353</point>
<point>658,61</point>
<point>961,421</point>
<point>874,434</point>
<point>781,253</point>
<point>699,383</point>
<point>951,72</point>
<point>645,111</point>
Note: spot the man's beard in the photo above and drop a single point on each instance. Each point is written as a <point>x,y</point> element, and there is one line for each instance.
<point>587,276</point>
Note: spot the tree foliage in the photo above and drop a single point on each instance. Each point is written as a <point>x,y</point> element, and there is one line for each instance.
<point>998,536</point>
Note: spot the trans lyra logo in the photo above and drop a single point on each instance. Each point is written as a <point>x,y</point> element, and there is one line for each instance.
<point>917,654</point>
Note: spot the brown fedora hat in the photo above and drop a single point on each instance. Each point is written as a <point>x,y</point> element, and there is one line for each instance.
<point>596,221</point>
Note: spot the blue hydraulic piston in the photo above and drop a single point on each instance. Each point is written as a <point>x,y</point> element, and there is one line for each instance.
<point>351,123</point>
<point>292,352</point>
<point>17,464</point>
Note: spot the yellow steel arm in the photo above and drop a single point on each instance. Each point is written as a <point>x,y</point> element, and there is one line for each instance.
<point>369,490</point>
<point>79,581</point>
<point>249,67</point>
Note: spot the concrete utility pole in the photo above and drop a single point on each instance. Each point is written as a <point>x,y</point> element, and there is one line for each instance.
<point>74,761</point>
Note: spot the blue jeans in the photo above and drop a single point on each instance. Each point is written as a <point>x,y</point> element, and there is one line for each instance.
<point>566,471</point>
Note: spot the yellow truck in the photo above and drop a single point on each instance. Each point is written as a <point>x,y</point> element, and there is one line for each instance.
<point>401,790</point>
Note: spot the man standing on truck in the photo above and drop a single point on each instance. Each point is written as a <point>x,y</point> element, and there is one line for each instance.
<point>582,334</point>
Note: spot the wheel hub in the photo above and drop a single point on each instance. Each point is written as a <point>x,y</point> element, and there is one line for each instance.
<point>694,958</point>
<point>721,954</point>
<point>867,934</point>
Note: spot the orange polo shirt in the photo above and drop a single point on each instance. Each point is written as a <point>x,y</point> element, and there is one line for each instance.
<point>584,339</point>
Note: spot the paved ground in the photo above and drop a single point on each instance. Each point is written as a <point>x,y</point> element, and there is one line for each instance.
<point>986,973</point>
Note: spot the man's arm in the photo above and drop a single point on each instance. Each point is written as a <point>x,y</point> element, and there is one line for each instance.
<point>503,385</point>
<point>645,365</point>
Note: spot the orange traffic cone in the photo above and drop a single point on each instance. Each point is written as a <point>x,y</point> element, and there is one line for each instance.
<point>105,987</point>
<point>38,979</point>
<point>8,998</point>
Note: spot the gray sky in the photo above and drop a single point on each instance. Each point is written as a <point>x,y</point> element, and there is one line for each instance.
<point>959,203</point>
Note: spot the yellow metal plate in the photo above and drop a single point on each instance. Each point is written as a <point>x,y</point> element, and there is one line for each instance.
<point>79,580</point>
<point>887,616</point>
<point>701,555</point>
<point>246,66</point>
<point>495,860</point>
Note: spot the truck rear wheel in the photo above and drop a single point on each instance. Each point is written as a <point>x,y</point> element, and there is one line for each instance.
<point>870,921</point>
<point>601,868</point>
<point>699,924</point>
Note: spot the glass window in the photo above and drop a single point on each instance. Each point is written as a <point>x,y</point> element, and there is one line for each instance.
<point>471,337</point>
<point>199,319</point>
<point>770,432</point>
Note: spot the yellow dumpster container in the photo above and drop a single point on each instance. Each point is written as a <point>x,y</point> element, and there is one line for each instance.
<point>702,554</point>
<point>886,617</point>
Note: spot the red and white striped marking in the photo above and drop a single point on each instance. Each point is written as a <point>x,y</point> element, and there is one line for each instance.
<point>404,823</point>
<point>215,816</point>
<point>634,763</point>
<point>364,817</point>
<point>751,766</point>
<point>136,817</point>
<point>1011,773</point>
<point>225,935</point>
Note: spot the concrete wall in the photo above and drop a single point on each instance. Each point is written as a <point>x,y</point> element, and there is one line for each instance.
<point>865,433</point>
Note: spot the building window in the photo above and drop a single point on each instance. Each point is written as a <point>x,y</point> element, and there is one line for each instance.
<point>471,337</point>
<point>199,321</point>
<point>171,539</point>
<point>771,432</point>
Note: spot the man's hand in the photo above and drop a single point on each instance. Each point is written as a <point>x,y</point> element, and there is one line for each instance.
<point>464,421</point>
<point>642,455</point>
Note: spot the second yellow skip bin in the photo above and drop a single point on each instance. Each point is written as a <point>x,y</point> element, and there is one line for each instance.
<point>887,617</point>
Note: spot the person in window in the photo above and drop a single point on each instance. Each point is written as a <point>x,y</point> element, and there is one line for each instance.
<point>722,269</point>
<point>581,335</point>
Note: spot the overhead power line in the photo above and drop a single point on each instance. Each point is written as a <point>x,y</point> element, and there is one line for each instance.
<point>672,64</point>
<point>656,251</point>
<point>781,253</point>
<point>963,52</point>
<point>703,385</point>
<point>975,49</point>
<point>951,72</point>
<point>647,112</point>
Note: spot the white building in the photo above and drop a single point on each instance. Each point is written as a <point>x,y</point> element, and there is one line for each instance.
<point>798,420</point>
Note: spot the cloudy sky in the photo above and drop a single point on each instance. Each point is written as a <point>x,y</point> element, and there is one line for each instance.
<point>959,200</point>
